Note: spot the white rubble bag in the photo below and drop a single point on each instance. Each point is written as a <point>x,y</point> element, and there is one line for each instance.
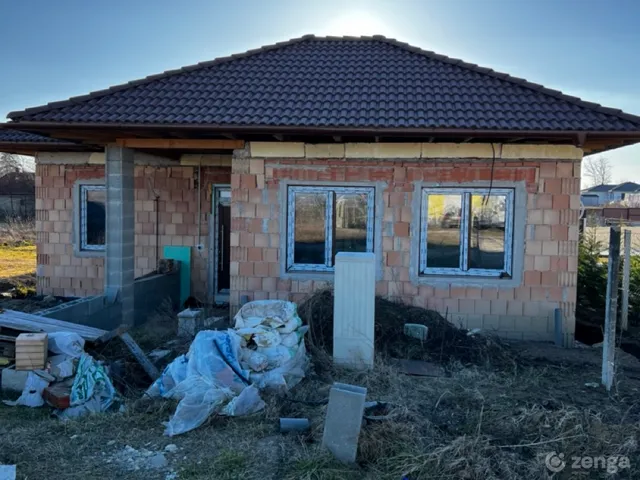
<point>207,382</point>
<point>223,371</point>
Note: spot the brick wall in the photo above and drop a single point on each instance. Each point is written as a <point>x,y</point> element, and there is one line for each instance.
<point>526,311</point>
<point>60,272</point>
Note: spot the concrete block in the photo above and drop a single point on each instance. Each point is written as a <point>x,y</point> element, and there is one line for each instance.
<point>416,330</point>
<point>344,420</point>
<point>354,309</point>
<point>14,380</point>
<point>189,322</point>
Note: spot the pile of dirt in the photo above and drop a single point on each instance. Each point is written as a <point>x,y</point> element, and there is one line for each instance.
<point>445,342</point>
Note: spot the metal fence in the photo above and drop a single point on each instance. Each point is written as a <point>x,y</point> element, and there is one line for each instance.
<point>21,206</point>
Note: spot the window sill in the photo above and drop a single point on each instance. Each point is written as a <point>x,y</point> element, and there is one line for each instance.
<point>88,253</point>
<point>467,280</point>
<point>303,275</point>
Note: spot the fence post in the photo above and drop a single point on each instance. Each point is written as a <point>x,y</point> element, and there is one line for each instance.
<point>609,347</point>
<point>626,273</point>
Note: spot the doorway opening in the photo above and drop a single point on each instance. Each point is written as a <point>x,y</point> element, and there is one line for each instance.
<point>221,209</point>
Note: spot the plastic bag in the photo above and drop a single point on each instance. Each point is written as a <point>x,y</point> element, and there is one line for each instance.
<point>62,366</point>
<point>246,403</point>
<point>32,393</point>
<point>210,378</point>
<point>92,390</point>
<point>66,343</point>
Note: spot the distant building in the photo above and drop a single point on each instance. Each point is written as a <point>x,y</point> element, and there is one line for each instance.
<point>608,193</point>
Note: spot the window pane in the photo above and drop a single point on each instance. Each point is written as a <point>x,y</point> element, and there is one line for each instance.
<point>96,217</point>
<point>486,242</point>
<point>443,231</point>
<point>310,220</point>
<point>351,222</point>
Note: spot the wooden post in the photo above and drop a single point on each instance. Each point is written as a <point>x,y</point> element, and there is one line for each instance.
<point>626,273</point>
<point>609,347</point>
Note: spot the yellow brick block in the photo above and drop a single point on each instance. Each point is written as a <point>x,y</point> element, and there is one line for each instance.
<point>277,149</point>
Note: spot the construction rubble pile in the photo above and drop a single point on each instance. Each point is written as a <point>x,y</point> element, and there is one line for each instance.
<point>224,371</point>
<point>54,369</point>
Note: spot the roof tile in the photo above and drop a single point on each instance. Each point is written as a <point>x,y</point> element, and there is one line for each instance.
<point>369,82</point>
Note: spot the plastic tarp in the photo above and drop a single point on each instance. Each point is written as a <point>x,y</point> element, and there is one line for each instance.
<point>223,371</point>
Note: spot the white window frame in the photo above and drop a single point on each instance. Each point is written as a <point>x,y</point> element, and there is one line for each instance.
<point>330,193</point>
<point>465,225</point>
<point>84,189</point>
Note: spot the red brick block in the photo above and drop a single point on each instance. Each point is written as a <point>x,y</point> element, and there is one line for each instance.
<point>254,254</point>
<point>394,259</point>
<point>401,229</point>
<point>532,278</point>
<point>261,269</point>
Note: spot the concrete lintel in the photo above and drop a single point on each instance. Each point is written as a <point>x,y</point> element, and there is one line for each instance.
<point>415,150</point>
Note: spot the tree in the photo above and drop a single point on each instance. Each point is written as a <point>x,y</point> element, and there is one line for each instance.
<point>10,163</point>
<point>599,170</point>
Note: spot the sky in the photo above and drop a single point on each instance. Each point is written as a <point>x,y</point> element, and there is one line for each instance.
<point>53,50</point>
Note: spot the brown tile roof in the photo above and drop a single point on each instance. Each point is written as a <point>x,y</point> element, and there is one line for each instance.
<point>337,82</point>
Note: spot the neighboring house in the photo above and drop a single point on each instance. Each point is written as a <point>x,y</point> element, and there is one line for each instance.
<point>17,195</point>
<point>604,194</point>
<point>464,182</point>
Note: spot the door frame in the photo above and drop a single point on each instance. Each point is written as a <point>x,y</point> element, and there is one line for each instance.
<point>214,254</point>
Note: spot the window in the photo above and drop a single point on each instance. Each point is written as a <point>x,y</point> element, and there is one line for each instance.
<point>322,221</point>
<point>466,231</point>
<point>92,217</point>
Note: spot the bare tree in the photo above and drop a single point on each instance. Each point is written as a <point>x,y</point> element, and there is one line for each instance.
<point>598,169</point>
<point>10,162</point>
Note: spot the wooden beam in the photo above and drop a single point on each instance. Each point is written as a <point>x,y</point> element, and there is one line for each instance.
<point>467,140</point>
<point>169,144</point>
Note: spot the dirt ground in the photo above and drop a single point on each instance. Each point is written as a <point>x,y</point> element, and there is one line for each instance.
<point>476,422</point>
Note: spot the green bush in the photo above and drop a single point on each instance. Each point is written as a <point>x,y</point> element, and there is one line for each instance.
<point>592,282</point>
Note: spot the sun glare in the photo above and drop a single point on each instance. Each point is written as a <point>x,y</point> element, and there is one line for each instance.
<point>358,23</point>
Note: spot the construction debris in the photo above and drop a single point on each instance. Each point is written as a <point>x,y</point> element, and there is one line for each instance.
<point>223,370</point>
<point>344,420</point>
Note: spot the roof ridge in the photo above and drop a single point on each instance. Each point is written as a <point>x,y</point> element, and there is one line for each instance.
<point>521,82</point>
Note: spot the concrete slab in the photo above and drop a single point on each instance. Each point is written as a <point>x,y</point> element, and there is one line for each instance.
<point>14,380</point>
<point>344,420</point>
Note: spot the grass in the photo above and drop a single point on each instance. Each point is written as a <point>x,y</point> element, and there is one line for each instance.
<point>489,417</point>
<point>475,423</point>
<point>17,261</point>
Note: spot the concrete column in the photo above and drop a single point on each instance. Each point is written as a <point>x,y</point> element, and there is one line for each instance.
<point>119,260</point>
<point>354,309</point>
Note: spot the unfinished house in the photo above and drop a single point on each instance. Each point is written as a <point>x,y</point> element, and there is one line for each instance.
<point>254,170</point>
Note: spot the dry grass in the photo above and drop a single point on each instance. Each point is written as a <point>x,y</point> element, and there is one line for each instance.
<point>18,232</point>
<point>17,261</point>
<point>474,424</point>
<point>481,421</point>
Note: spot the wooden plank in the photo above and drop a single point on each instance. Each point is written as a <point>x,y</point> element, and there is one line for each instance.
<point>142,359</point>
<point>7,338</point>
<point>166,143</point>
<point>26,322</point>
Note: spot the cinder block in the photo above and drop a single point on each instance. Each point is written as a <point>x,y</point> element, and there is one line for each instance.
<point>14,380</point>
<point>416,330</point>
<point>344,420</point>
